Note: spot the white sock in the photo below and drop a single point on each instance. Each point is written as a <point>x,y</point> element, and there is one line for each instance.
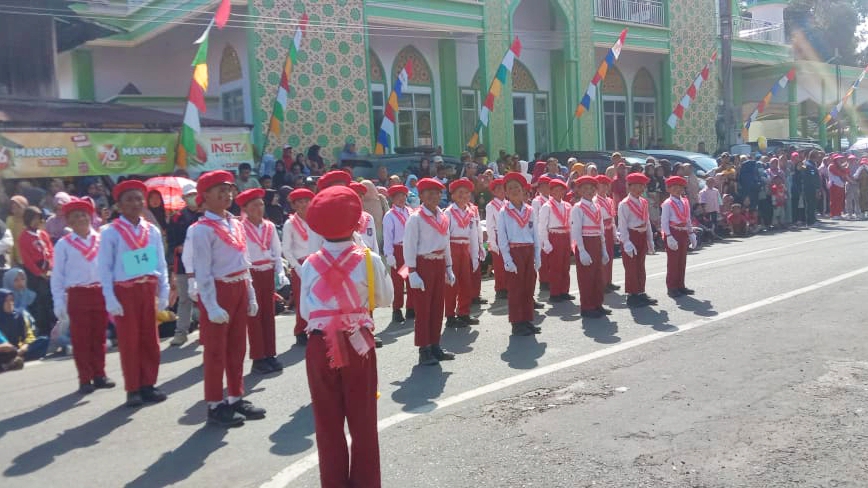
<point>213,405</point>
<point>231,400</point>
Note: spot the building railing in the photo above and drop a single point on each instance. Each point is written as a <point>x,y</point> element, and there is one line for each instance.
<point>651,12</point>
<point>758,30</point>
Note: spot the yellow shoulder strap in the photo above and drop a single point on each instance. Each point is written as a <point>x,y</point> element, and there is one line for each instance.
<point>369,264</point>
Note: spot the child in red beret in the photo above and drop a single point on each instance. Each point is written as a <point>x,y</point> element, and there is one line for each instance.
<point>464,247</point>
<point>492,210</point>
<point>553,233</point>
<point>676,227</point>
<point>394,223</point>
<point>637,239</point>
<point>607,207</point>
<point>298,241</point>
<point>587,233</point>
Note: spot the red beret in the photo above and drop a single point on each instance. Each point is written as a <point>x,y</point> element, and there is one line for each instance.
<point>586,180</point>
<point>461,183</point>
<point>794,155</point>
<point>248,196</point>
<point>495,183</point>
<point>211,179</point>
<point>126,186</point>
<point>851,157</point>
<point>557,183</point>
<point>300,194</point>
<point>429,184</point>
<point>395,189</point>
<point>516,177</point>
<point>836,157</point>
<point>358,187</point>
<point>82,204</point>
<point>333,178</point>
<point>569,196</point>
<point>544,180</point>
<point>637,178</point>
<point>334,212</point>
<point>675,181</point>
<point>604,180</point>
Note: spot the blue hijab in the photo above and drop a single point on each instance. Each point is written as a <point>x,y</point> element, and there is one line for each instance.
<point>24,297</point>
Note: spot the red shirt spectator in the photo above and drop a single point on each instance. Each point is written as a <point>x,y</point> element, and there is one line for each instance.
<point>37,252</point>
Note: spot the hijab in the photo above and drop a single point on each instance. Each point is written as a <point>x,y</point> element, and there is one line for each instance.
<point>273,211</point>
<point>12,325</point>
<point>413,195</point>
<point>283,198</point>
<point>23,298</point>
<point>375,204</point>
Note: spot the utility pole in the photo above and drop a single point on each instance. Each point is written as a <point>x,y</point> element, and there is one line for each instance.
<point>726,112</point>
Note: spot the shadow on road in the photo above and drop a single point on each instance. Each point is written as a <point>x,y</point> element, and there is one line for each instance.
<point>177,465</point>
<point>175,354</point>
<point>523,352</point>
<point>459,340</point>
<point>292,356</point>
<point>498,307</point>
<point>81,437</point>
<point>601,330</point>
<point>183,381</point>
<point>423,385</point>
<point>294,436</point>
<point>41,414</point>
<point>657,319</point>
<point>703,308</point>
<point>394,330</point>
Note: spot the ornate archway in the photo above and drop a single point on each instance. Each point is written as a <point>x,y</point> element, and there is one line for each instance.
<point>421,70</point>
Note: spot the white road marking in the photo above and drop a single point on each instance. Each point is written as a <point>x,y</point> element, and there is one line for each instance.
<point>298,468</point>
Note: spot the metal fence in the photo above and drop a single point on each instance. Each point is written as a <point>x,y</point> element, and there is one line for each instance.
<point>758,30</point>
<point>649,12</point>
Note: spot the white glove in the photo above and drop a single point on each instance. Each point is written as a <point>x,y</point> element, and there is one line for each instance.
<point>282,280</point>
<point>252,308</point>
<point>218,316</point>
<point>692,240</point>
<point>192,289</point>
<point>605,257</point>
<point>450,277</point>
<point>585,258</point>
<point>547,246</point>
<point>671,243</point>
<point>651,249</point>
<point>61,315</point>
<point>162,303</point>
<point>493,249</point>
<point>510,267</point>
<point>416,281</point>
<point>114,308</point>
<point>537,264</point>
<point>474,265</point>
<point>629,249</point>
<point>482,254</point>
<point>391,261</point>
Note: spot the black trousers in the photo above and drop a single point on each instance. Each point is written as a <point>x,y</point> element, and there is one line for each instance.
<point>42,307</point>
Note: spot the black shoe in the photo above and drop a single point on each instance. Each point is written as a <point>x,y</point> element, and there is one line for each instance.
<point>538,306</point>
<point>224,416</point>
<point>532,328</point>
<point>301,339</point>
<point>567,296</point>
<point>274,363</point>
<point>686,291</point>
<point>479,301</point>
<point>612,287</point>
<point>378,343</point>
<point>636,301</point>
<point>521,329</point>
<point>411,314</point>
<point>247,409</point>
<point>397,316</point>
<point>441,354</point>
<point>674,293</point>
<point>134,399</point>
<point>454,323</point>
<point>604,311</point>
<point>426,357</point>
<point>468,320</point>
<point>501,294</point>
<point>86,388</point>
<point>592,314</point>
<point>556,299</point>
<point>152,394</point>
<point>543,286</point>
<point>261,366</point>
<point>648,300</point>
<point>103,382</point>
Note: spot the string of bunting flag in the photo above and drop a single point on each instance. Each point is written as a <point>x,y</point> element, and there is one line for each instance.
<point>495,89</point>
<point>777,87</point>
<point>690,96</point>
<point>387,126</point>
<point>837,108</point>
<point>278,114</point>
<point>600,75</point>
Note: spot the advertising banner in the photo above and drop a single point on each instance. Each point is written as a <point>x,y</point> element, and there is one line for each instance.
<point>220,149</point>
<point>63,154</point>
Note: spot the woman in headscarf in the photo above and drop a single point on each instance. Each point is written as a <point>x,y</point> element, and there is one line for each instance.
<point>283,199</point>
<point>315,161</point>
<point>56,224</point>
<point>273,211</point>
<point>413,196</point>
<point>15,223</point>
<point>376,205</point>
<point>15,326</point>
<point>156,211</point>
<point>15,280</point>
<point>281,177</point>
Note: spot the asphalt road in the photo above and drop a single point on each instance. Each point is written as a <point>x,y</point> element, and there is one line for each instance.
<point>760,379</point>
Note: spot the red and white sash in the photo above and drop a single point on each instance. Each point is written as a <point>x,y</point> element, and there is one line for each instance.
<point>135,237</point>
<point>260,238</point>
<point>523,218</point>
<point>363,223</point>
<point>562,215</point>
<point>682,213</point>
<point>441,225</point>
<point>462,218</point>
<point>594,215</point>
<point>89,250</point>
<point>398,212</point>
<point>299,226</point>
<point>234,239</point>
<point>640,210</point>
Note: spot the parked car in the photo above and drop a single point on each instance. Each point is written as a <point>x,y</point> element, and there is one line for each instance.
<point>366,166</point>
<point>775,145</point>
<point>602,159</point>
<point>702,163</point>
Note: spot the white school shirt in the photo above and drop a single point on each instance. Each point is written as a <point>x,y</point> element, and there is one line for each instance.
<point>268,258</point>
<point>469,233</point>
<point>212,259</point>
<point>607,208</point>
<point>667,216</point>
<point>479,238</point>
<point>582,226</point>
<point>368,233</point>
<point>393,229</point>
<point>110,265</point>
<point>492,209</point>
<point>537,203</point>
<point>421,239</point>
<point>71,268</point>
<point>296,247</point>
<point>549,221</point>
<point>383,291</point>
<point>627,219</point>
<point>510,231</point>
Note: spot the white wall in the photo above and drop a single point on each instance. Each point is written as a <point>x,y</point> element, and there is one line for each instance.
<point>770,13</point>
<point>467,55</point>
<point>63,73</point>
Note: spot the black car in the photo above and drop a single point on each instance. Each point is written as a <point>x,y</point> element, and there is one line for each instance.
<point>400,164</point>
<point>602,159</point>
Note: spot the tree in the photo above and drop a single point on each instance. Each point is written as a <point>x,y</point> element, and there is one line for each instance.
<point>820,27</point>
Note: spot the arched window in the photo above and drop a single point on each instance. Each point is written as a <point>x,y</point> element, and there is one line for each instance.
<point>645,132</point>
<point>231,86</point>
<point>614,92</point>
<point>530,119</point>
<point>415,115</point>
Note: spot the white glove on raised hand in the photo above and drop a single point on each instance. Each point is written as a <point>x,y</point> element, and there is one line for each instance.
<point>114,308</point>
<point>450,277</point>
<point>193,289</point>
<point>585,258</point>
<point>671,243</point>
<point>629,248</point>
<point>510,267</point>
<point>416,281</point>
<point>217,315</point>
<point>391,261</point>
<point>605,257</point>
<point>547,246</point>
<point>692,240</point>
<point>252,308</point>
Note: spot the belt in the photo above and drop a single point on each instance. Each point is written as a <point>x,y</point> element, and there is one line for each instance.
<point>610,226</point>
<point>433,255</point>
<point>639,229</point>
<point>137,281</point>
<point>263,265</point>
<point>514,245</point>
<point>559,230</point>
<point>234,277</point>
<point>465,242</point>
<point>88,286</point>
<point>678,228</point>
<point>591,235</point>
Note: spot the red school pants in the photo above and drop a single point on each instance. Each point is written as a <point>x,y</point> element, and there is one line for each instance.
<point>591,278</point>
<point>460,295</point>
<point>87,329</point>
<point>521,285</point>
<point>559,263</point>
<point>225,344</point>
<point>545,270</point>
<point>338,395</point>
<point>634,268</point>
<point>499,272</point>
<point>260,329</point>
<point>295,283</point>
<point>676,261</point>
<point>399,284</point>
<point>836,201</point>
<point>429,302</point>
<point>610,250</point>
<point>477,281</point>
<point>138,340</point>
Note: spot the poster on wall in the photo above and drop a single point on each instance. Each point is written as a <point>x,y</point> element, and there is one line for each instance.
<point>64,154</point>
<point>220,149</point>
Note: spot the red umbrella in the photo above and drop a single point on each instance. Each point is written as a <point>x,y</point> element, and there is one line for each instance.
<point>172,190</point>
